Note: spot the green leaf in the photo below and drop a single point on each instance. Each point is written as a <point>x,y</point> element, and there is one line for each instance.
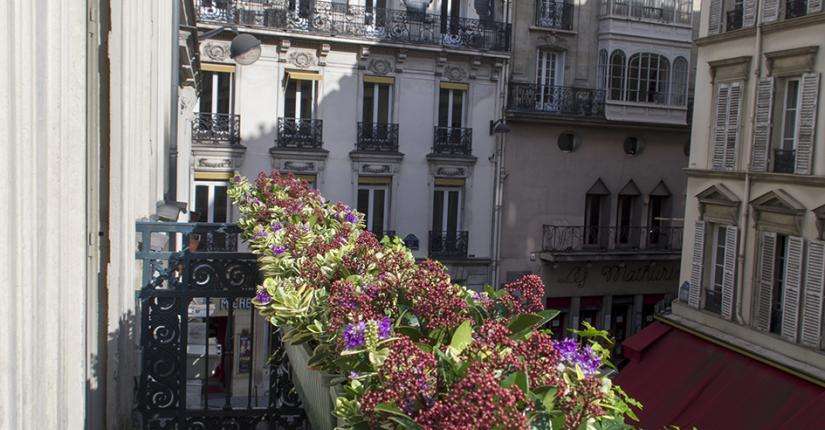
<point>462,338</point>
<point>412,332</point>
<point>405,423</point>
<point>377,357</point>
<point>549,399</point>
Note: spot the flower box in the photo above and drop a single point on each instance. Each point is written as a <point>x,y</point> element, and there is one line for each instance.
<point>314,388</point>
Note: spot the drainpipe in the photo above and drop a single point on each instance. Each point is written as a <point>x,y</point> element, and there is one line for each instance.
<point>745,215</point>
<point>501,139</point>
<point>172,190</point>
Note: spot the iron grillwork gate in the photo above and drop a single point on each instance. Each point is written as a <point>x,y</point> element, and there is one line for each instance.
<point>177,385</point>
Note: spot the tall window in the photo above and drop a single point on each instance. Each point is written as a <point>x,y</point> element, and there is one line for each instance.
<point>713,292</point>
<point>375,9</point>
<point>299,102</point>
<point>595,206</point>
<point>373,201</point>
<point>655,222</point>
<point>617,73</point>
<point>790,115</point>
<point>680,81</point>
<point>626,217</point>
<point>647,78</point>
<point>377,103</point>
<point>451,107</point>
<point>447,210</point>
<point>550,76</point>
<point>779,269</point>
<point>216,96</point>
<point>450,16</point>
<point>602,72</point>
<point>211,201</point>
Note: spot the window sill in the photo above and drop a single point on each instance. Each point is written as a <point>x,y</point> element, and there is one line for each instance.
<point>789,178</point>
<point>552,30</point>
<point>726,36</point>
<point>646,105</point>
<point>647,21</point>
<point>801,21</point>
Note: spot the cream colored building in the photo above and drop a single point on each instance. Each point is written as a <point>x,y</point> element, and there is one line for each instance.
<point>754,260</point>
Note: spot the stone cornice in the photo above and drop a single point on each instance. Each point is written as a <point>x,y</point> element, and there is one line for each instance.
<point>726,36</point>
<point>802,21</point>
<point>782,178</point>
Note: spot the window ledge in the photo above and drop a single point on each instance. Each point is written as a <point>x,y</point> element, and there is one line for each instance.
<point>785,178</point>
<point>726,36</point>
<point>553,30</point>
<point>647,21</point>
<point>646,105</point>
<point>801,21</point>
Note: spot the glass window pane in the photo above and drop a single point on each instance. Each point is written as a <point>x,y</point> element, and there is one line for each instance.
<point>369,89</point>
<point>206,93</point>
<point>458,104</point>
<point>443,107</point>
<point>306,98</point>
<point>201,204</point>
<point>289,99</point>
<point>224,92</point>
<point>363,201</point>
<point>220,212</point>
<point>438,210</point>
<point>378,211</point>
<point>452,211</point>
<point>384,104</point>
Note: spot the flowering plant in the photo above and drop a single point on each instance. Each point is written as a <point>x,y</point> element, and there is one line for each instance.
<point>412,349</point>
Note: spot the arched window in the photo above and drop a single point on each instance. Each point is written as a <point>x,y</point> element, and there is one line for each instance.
<point>647,78</point>
<point>680,81</point>
<point>601,73</point>
<point>617,62</point>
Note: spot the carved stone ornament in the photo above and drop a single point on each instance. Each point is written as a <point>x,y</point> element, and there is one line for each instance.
<point>216,51</point>
<point>302,59</point>
<point>216,163</point>
<point>455,73</point>
<point>451,172</point>
<point>380,66</point>
<point>299,166</point>
<point>375,168</point>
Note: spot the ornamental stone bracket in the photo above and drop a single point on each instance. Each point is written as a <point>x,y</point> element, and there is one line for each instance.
<point>376,164</point>
<point>299,162</point>
<point>451,167</point>
<point>217,159</point>
<point>216,51</point>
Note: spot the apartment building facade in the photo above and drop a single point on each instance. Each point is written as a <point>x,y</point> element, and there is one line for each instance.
<point>598,104</point>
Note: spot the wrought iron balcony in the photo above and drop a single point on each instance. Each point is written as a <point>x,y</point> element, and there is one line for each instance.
<point>216,129</point>
<point>299,134</point>
<point>784,160</point>
<point>453,141</point>
<point>795,8</point>
<point>380,24</point>
<point>615,238</point>
<point>733,19</point>
<point>377,137</point>
<point>554,14</point>
<point>448,244</point>
<point>557,100</point>
<point>662,11</point>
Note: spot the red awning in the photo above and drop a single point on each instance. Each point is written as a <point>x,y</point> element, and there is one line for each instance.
<point>684,380</point>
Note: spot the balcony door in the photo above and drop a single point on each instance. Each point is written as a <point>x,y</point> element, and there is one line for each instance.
<point>373,202</point>
<point>375,12</point>
<point>299,100</point>
<point>550,79</point>
<point>447,211</point>
<point>450,16</point>
<point>216,96</point>
<point>451,107</point>
<point>377,107</point>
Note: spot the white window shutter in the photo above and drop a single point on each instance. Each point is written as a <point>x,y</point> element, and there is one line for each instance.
<point>720,128</point>
<point>807,123</point>
<point>814,6</point>
<point>765,279</point>
<point>696,268</point>
<point>762,130</point>
<point>812,297</point>
<point>749,13</point>
<point>770,10</point>
<point>715,16</point>
<point>734,111</point>
<point>793,288</point>
<point>729,274</point>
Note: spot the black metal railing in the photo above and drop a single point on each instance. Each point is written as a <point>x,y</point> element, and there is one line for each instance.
<point>557,100</point>
<point>713,301</point>
<point>554,14</point>
<point>644,95</point>
<point>454,141</point>
<point>296,133</point>
<point>374,137</point>
<point>190,295</point>
<point>388,25</point>
<point>216,129</point>
<point>784,160</point>
<point>663,11</point>
<point>795,8</point>
<point>598,238</point>
<point>448,244</point>
<point>733,19</point>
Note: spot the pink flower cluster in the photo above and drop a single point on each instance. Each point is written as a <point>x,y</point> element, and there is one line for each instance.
<point>436,301</point>
<point>525,295</point>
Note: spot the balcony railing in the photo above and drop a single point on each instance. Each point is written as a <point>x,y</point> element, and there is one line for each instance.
<point>299,133</point>
<point>662,11</point>
<point>554,14</point>
<point>377,137</point>
<point>216,129</point>
<point>448,244</point>
<point>338,19</point>
<point>453,141</point>
<point>603,239</point>
<point>784,160</point>
<point>557,100</point>
<point>795,8</point>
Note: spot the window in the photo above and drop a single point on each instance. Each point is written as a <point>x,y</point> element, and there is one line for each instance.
<point>780,258</point>
<point>680,81</point>
<point>451,107</point>
<point>626,219</point>
<point>451,16</point>
<point>299,102</point>
<point>594,208</point>
<point>377,9</point>
<point>779,282</point>
<point>647,78</point>
<point>447,210</point>
<point>377,107</point>
<point>617,70</point>
<point>549,76</point>
<point>657,236</point>
<point>602,72</point>
<point>713,268</point>
<point>713,293</point>
<point>790,115</point>
<point>726,126</point>
<point>211,201</point>
<point>216,96</point>
<point>373,202</point>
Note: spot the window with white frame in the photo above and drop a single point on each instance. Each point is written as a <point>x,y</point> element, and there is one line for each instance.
<point>377,103</point>
<point>717,249</point>
<point>299,99</point>
<point>549,77</point>
<point>211,201</point>
<point>727,118</point>
<point>647,78</point>
<point>217,91</point>
<point>680,82</point>
<point>602,71</point>
<point>713,268</point>
<point>617,74</point>
<point>790,115</point>
<point>451,103</point>
<point>373,202</point>
<point>447,210</point>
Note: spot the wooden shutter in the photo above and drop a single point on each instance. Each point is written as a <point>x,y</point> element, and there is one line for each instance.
<point>770,10</point>
<point>729,274</point>
<point>696,268</point>
<point>765,279</point>
<point>720,128</point>
<point>814,6</point>
<point>762,130</point>
<point>812,302</point>
<point>749,13</point>
<point>715,16</point>
<point>793,288</point>
<point>807,123</point>
<point>734,112</point>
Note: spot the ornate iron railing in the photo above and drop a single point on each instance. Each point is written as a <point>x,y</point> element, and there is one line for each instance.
<point>299,133</point>
<point>377,137</point>
<point>557,100</point>
<point>216,129</point>
<point>554,14</point>
<point>179,385</point>
<point>453,141</point>
<point>795,8</point>
<point>386,25</point>
<point>663,11</point>
<point>597,238</point>
<point>784,160</point>
<point>448,244</point>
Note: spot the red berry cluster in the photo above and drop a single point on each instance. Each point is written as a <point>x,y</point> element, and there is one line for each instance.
<point>524,295</point>
<point>436,301</point>
<point>540,360</point>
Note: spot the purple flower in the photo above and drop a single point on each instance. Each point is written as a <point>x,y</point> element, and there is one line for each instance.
<point>354,335</point>
<point>587,360</point>
<point>384,328</point>
<point>260,234</point>
<point>237,179</point>
<point>351,217</point>
<point>276,226</point>
<point>277,250</point>
<point>568,348</point>
<point>263,297</point>
<point>353,375</point>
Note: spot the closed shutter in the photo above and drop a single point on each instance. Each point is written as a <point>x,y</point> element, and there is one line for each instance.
<point>729,274</point>
<point>770,10</point>
<point>696,267</point>
<point>762,131</point>
<point>793,286</point>
<point>765,279</point>
<point>812,303</point>
<point>807,123</point>
<point>715,16</point>
<point>734,111</point>
<point>749,13</point>
<point>814,6</point>
<point>720,128</point>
